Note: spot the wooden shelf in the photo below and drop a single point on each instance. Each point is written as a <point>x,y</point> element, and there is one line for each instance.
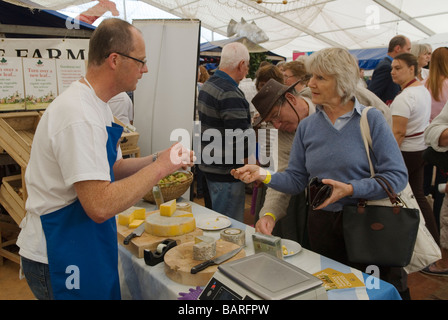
<point>17,133</point>
<point>12,198</point>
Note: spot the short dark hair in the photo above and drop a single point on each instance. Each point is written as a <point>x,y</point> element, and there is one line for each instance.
<point>409,59</point>
<point>265,73</point>
<point>397,41</point>
<point>112,35</point>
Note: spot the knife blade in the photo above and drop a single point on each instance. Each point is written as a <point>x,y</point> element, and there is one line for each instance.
<point>215,261</point>
<point>136,233</point>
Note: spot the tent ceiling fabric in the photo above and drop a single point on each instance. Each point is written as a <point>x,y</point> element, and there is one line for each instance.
<point>307,25</point>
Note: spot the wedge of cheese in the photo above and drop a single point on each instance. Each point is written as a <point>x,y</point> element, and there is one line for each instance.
<point>126,217</point>
<point>168,208</point>
<point>136,223</point>
<point>181,222</point>
<point>140,214</point>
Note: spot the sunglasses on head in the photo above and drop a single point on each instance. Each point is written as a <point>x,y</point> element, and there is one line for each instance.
<point>318,192</point>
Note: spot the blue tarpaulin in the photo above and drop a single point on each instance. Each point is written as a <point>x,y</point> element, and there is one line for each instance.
<point>369,58</point>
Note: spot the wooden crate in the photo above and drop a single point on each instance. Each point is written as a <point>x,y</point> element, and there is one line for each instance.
<point>129,141</point>
<point>12,197</point>
<point>16,134</point>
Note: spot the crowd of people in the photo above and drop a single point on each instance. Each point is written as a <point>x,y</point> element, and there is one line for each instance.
<point>323,93</point>
<point>77,179</point>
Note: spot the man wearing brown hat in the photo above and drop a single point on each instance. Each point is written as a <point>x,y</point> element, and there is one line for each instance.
<point>284,107</point>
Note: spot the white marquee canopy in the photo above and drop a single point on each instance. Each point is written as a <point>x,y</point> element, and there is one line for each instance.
<point>304,25</point>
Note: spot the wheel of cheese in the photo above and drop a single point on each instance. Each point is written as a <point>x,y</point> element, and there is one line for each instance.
<point>181,222</point>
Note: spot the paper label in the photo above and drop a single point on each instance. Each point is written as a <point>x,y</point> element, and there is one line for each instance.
<point>333,279</point>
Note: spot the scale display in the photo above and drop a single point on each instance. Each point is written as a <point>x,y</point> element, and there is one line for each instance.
<point>259,276</point>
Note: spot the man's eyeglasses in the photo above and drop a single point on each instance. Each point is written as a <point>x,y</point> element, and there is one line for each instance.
<point>143,62</point>
<point>277,117</point>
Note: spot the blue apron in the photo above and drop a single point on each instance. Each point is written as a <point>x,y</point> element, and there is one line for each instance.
<point>83,254</point>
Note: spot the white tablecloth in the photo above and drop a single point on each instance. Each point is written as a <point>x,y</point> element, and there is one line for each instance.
<point>140,281</point>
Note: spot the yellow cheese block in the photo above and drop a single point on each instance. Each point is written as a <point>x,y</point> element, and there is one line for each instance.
<point>126,217</point>
<point>168,208</point>
<point>176,225</point>
<point>136,223</point>
<point>140,214</point>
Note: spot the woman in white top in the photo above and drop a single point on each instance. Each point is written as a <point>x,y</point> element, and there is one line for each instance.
<point>423,54</point>
<point>411,110</point>
<point>437,84</point>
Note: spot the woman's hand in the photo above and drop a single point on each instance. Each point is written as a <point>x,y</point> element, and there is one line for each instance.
<point>265,225</point>
<point>340,190</point>
<point>249,173</point>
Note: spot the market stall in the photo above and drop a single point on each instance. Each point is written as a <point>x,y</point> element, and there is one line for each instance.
<point>141,281</point>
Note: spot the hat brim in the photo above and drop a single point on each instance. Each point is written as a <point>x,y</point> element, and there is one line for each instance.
<point>279,93</point>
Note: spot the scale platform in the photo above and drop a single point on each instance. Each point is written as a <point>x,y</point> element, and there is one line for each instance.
<point>262,276</point>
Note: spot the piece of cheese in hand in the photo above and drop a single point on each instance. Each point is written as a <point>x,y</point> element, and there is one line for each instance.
<point>168,208</point>
<point>178,224</point>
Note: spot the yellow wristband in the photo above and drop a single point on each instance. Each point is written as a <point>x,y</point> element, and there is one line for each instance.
<point>268,177</point>
<point>271,215</point>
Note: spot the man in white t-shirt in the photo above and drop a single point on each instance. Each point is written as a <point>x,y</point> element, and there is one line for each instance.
<point>77,180</point>
<point>122,108</point>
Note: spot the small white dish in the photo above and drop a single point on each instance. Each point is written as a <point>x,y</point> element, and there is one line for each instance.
<point>214,223</point>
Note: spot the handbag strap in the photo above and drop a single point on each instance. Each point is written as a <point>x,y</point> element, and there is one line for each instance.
<point>367,138</point>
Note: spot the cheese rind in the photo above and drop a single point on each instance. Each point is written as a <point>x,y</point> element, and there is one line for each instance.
<point>176,225</point>
<point>168,208</point>
<point>204,248</point>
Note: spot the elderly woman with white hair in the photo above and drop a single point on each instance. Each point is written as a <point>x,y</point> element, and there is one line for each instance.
<point>329,145</point>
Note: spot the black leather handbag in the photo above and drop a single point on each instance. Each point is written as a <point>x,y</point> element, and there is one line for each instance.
<point>380,232</point>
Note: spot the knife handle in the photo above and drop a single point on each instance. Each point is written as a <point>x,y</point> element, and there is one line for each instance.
<point>201,266</point>
<point>129,238</point>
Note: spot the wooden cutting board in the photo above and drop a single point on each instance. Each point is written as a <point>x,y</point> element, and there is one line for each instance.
<point>179,261</point>
<point>148,241</point>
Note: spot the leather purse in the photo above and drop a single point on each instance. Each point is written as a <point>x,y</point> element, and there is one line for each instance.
<point>382,235</point>
<point>425,250</point>
<point>318,192</point>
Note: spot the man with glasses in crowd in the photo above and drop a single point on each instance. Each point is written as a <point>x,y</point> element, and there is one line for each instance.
<point>284,107</point>
<point>77,180</point>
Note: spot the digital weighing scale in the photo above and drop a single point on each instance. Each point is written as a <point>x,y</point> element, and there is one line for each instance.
<point>262,276</point>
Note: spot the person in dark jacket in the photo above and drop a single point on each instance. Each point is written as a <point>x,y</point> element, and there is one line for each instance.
<point>381,83</point>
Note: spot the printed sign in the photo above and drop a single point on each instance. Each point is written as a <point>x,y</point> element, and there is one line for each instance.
<point>69,71</point>
<point>40,82</point>
<point>12,94</point>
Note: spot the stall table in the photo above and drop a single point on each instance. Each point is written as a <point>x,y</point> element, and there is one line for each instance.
<point>142,282</point>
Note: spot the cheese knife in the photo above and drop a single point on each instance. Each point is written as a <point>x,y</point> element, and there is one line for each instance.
<point>136,233</point>
<point>215,261</point>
